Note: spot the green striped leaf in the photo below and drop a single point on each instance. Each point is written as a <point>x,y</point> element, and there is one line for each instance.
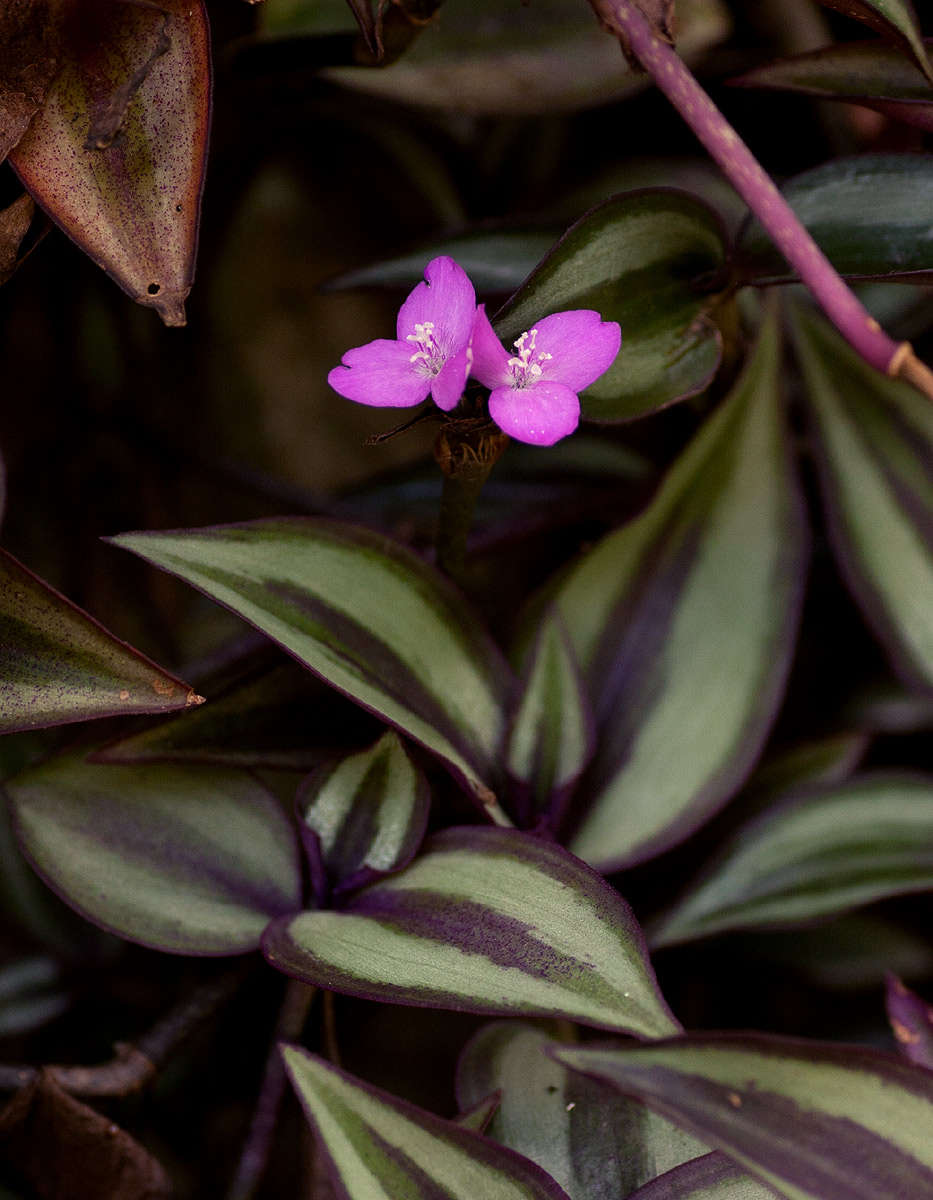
<point>552,735</point>
<point>192,860</point>
<point>819,853</point>
<point>363,816</point>
<point>378,1147</point>
<point>871,73</point>
<point>813,1120</point>
<point>895,19</point>
<point>875,453</point>
<point>684,623</point>
<point>365,614</point>
<point>712,1177</point>
<point>868,214</point>
<point>485,920</point>
<point>637,259</point>
<point>58,665</point>
<point>120,168</point>
<point>596,1143</point>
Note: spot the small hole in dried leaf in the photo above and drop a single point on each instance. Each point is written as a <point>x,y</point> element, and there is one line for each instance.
<point>153,289</point>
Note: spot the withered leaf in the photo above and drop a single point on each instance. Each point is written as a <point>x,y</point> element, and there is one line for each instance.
<point>109,94</point>
<point>15,220</point>
<point>67,1151</point>
<point>29,60</point>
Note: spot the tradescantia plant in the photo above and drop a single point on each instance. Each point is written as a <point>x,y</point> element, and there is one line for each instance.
<point>557,802</point>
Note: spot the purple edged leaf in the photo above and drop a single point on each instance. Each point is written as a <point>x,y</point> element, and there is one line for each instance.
<point>813,1120</point>
<point>366,615</point>
<point>684,624</point>
<point>874,443</point>
<point>869,73</point>
<point>58,665</point>
<point>552,735</point>
<point>596,1143</point>
<point>363,815</point>
<point>912,1021</point>
<point>711,1177</point>
<point>116,154</point>
<point>484,920</point>
<point>820,852</point>
<point>894,19</point>
<point>868,214</point>
<point>379,1146</point>
<point>191,860</point>
<point>636,260</point>
<point>263,721</point>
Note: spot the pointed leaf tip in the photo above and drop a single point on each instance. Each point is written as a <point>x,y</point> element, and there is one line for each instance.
<point>484,920</point>
<point>377,1145</point>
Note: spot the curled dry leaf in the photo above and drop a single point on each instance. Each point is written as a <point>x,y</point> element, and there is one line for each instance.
<point>28,61</point>
<point>67,1151</point>
<point>116,155</point>
<point>15,220</point>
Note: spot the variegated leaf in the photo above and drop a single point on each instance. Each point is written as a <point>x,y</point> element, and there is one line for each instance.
<point>192,860</point>
<point>596,1143</point>
<point>379,1147</point>
<point>363,816</point>
<point>711,1177</point>
<point>58,665</point>
<point>366,615</point>
<point>684,624</point>
<point>816,854</point>
<point>552,736</point>
<point>875,453</point>
<point>813,1120</point>
<point>485,920</point>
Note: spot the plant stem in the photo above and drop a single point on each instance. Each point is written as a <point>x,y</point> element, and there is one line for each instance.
<point>255,1156</point>
<point>466,452</point>
<point>858,327</point>
<point>135,1066</point>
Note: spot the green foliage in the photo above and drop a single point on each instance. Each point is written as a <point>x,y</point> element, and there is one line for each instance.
<point>718,597</point>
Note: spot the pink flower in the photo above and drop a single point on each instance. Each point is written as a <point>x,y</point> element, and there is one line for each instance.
<point>431,353</point>
<point>534,391</point>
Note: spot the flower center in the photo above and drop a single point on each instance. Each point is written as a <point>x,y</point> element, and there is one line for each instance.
<point>526,364</point>
<point>428,358</point>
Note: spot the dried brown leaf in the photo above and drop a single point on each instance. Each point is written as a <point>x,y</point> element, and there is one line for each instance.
<point>29,60</point>
<point>67,1151</point>
<point>15,220</point>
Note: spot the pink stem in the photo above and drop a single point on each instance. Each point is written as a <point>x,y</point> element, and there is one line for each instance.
<point>756,188</point>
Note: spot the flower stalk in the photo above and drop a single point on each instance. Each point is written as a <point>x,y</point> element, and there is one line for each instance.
<point>897,359</point>
<point>466,452</point>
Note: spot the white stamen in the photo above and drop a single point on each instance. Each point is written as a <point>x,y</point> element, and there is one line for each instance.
<point>428,351</point>
<point>524,371</point>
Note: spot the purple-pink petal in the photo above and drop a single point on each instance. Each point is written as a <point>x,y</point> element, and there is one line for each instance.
<point>446,300</point>
<point>542,413</point>
<point>447,386</point>
<point>490,358</point>
<point>581,344</point>
<point>380,374</point>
